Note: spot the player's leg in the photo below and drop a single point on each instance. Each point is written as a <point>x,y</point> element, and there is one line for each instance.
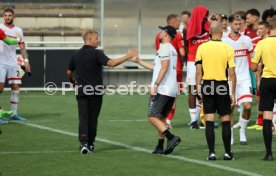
<point>95,104</point>
<point>159,105</point>
<point>14,80</point>
<point>244,98</point>
<point>191,72</point>
<point>268,95</point>
<point>209,108</point>
<point>223,103</point>
<point>3,73</point>
<point>83,109</point>
<point>159,149</point>
<point>231,117</point>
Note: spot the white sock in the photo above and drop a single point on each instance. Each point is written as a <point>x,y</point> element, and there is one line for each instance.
<point>14,100</point>
<point>193,114</point>
<point>243,123</point>
<point>198,107</point>
<point>232,136</point>
<point>274,116</point>
<point>240,111</point>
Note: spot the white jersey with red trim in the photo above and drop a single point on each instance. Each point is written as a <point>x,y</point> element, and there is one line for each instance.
<point>243,47</point>
<point>8,52</point>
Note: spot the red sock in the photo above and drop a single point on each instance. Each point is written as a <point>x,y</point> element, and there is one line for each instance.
<point>260,120</point>
<point>171,114</point>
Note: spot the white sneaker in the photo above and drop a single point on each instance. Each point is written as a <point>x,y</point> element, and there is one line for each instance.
<point>237,125</point>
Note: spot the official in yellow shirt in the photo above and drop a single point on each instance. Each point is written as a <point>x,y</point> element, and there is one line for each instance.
<point>266,51</point>
<point>213,60</point>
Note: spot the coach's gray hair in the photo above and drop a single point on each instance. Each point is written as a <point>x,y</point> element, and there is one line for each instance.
<point>216,27</point>
<point>87,33</point>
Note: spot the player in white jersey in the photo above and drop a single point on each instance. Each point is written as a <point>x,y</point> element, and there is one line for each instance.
<point>243,47</point>
<point>163,89</point>
<point>9,68</point>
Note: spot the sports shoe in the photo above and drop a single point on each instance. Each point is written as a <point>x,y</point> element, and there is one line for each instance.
<point>4,113</point>
<point>211,157</point>
<point>158,150</point>
<point>84,149</point>
<point>237,125</point>
<point>172,144</point>
<point>2,121</point>
<point>91,148</point>
<point>228,156</point>
<point>268,157</point>
<point>259,128</point>
<point>253,127</point>
<point>194,125</point>
<point>18,117</point>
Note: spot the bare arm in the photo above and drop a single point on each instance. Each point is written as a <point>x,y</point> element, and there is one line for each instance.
<point>253,66</point>
<point>25,57</point>
<point>118,61</point>
<point>233,80</point>
<point>147,65</point>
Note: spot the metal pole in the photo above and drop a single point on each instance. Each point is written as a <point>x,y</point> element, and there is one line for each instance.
<point>102,24</point>
<point>139,26</point>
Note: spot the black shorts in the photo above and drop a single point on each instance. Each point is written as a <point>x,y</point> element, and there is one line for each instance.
<point>215,99</point>
<point>268,94</point>
<point>160,105</point>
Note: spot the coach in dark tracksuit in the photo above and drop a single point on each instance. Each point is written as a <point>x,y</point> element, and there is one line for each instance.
<point>85,73</point>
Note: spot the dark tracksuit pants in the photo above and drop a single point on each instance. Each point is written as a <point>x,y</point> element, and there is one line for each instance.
<point>89,109</point>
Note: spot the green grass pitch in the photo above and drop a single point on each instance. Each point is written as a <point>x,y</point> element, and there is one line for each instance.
<point>125,138</point>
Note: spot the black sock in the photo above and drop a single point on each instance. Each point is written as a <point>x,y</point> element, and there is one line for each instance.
<point>210,136</point>
<point>226,136</point>
<point>160,143</point>
<point>168,134</point>
<point>267,134</point>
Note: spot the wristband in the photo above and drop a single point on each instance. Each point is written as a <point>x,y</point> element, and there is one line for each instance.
<point>26,60</point>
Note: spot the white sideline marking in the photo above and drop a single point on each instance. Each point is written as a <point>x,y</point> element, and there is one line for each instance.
<point>35,152</point>
<point>139,120</point>
<point>205,163</point>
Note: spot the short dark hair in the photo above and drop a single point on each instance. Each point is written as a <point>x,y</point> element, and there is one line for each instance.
<point>268,13</point>
<point>170,17</point>
<point>253,12</point>
<point>272,23</point>
<point>266,24</point>
<point>242,14</point>
<point>9,10</point>
<point>186,13</point>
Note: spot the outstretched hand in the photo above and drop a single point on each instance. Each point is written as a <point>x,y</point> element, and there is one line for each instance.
<point>135,59</point>
<point>132,53</point>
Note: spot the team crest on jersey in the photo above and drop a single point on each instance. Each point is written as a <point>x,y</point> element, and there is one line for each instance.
<point>243,45</point>
<point>253,54</point>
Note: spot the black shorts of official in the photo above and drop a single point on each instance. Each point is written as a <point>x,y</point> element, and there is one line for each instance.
<point>160,105</point>
<point>215,100</point>
<point>268,94</point>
